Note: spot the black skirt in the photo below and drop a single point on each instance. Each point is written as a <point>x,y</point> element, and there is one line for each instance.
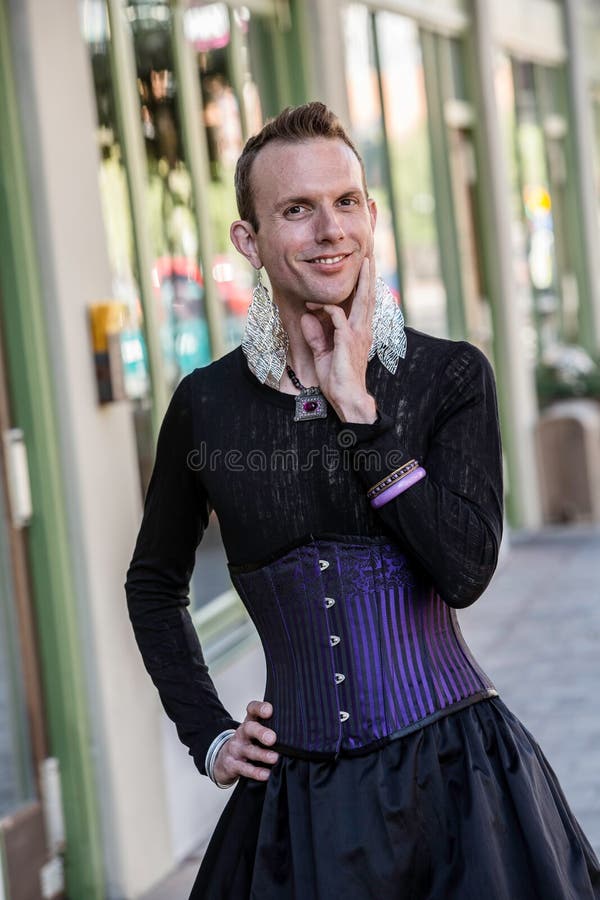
<point>466,808</point>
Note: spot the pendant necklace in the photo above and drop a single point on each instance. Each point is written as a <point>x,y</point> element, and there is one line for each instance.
<point>310,402</point>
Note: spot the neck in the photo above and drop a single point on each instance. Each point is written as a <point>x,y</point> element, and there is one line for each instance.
<point>299,356</point>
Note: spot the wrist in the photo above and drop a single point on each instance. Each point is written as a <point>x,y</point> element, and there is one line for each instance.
<point>212,756</point>
<point>219,774</point>
<point>359,411</point>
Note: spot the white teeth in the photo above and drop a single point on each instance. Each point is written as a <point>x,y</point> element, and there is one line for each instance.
<point>330,260</point>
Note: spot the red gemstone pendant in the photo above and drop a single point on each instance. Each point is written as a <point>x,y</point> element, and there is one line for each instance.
<point>310,404</point>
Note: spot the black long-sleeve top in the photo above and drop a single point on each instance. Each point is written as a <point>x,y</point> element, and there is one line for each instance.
<point>231,444</point>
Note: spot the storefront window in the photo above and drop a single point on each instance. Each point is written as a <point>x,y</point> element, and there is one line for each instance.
<point>114,194</point>
<point>406,113</point>
<point>232,112</point>
<point>532,225</point>
<point>116,209</point>
<point>177,275</point>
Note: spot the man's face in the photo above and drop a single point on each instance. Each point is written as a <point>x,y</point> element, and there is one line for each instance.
<point>315,221</point>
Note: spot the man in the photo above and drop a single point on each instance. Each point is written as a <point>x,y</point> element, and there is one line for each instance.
<point>382,762</point>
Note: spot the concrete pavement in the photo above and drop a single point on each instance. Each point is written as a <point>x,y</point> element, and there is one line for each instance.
<point>536,632</point>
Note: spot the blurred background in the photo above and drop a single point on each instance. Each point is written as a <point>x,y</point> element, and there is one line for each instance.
<point>120,125</point>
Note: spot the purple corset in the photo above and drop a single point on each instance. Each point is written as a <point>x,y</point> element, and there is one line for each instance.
<point>359,647</point>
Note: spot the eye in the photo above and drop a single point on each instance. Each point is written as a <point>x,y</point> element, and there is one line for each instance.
<point>348,201</point>
<point>294,210</point>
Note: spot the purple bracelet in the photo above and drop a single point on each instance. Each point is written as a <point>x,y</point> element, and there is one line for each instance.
<point>399,487</point>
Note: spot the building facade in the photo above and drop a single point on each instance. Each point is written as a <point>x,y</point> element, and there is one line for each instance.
<point>120,125</point>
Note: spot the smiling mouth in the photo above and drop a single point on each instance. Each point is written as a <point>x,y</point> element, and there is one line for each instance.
<point>328,260</point>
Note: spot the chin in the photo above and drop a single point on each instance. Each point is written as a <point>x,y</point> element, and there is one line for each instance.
<point>338,293</point>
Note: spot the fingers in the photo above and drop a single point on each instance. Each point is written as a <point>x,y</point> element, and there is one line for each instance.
<point>363,303</point>
<point>335,313</point>
<point>257,732</point>
<point>229,765</point>
<point>259,709</point>
<point>249,745</point>
<point>252,728</point>
<point>241,754</point>
<point>314,334</point>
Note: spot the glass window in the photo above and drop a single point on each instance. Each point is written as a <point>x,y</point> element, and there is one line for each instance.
<point>232,112</point>
<point>406,111</point>
<point>532,225</point>
<point>177,273</point>
<point>118,226</point>
<point>112,174</point>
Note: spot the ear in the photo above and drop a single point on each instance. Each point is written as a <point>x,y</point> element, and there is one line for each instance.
<point>243,238</point>
<point>372,211</point>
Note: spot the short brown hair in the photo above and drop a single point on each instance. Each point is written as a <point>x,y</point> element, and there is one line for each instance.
<point>295,123</point>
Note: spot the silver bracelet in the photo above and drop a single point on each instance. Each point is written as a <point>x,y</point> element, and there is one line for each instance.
<point>211,756</point>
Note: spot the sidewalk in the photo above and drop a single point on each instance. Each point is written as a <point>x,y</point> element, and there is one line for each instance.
<point>536,632</point>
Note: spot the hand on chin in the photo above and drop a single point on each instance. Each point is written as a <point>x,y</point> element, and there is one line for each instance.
<point>316,324</point>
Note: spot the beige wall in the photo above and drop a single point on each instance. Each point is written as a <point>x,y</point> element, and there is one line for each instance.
<point>194,802</point>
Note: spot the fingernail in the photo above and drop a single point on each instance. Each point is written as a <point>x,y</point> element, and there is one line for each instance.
<point>264,709</point>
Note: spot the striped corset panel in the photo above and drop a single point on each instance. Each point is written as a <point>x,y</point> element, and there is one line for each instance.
<point>358,646</point>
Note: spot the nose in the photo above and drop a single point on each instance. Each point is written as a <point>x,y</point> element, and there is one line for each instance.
<point>328,225</point>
